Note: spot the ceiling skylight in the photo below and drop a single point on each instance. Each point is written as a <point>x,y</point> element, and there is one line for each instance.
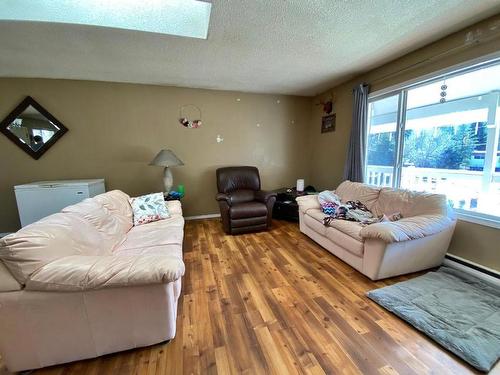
<point>189,18</point>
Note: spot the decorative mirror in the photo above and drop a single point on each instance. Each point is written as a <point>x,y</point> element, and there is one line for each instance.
<point>32,128</point>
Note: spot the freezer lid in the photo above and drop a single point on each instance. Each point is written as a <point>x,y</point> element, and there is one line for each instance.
<point>60,183</point>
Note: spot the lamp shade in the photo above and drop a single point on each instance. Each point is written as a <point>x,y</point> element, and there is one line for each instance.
<point>166,158</point>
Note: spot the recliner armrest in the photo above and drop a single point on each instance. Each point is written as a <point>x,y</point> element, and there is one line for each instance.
<point>82,272</point>
<point>221,197</point>
<point>264,196</point>
<point>409,228</point>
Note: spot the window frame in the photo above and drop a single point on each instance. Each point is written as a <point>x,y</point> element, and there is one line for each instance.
<point>401,90</point>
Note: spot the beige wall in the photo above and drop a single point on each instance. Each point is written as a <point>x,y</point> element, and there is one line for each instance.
<point>116,129</point>
<point>471,241</point>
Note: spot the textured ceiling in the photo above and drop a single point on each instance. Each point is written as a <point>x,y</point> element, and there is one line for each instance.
<point>282,46</point>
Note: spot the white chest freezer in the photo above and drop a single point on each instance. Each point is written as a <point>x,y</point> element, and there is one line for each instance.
<point>39,199</point>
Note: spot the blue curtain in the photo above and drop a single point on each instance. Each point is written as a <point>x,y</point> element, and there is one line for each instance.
<point>355,162</point>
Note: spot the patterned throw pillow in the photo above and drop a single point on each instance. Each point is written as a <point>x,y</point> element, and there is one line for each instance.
<point>329,201</point>
<point>149,208</point>
<point>329,208</point>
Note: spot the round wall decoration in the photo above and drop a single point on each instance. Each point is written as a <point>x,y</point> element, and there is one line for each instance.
<point>190,111</point>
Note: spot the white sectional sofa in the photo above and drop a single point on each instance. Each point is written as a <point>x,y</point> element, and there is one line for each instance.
<point>85,282</point>
<point>416,242</point>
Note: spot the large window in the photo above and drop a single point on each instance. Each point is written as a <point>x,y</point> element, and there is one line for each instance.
<point>441,136</point>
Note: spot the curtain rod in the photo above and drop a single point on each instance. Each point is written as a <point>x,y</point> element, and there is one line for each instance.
<point>450,51</point>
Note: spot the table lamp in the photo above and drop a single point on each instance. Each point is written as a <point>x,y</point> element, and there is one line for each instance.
<point>167,159</point>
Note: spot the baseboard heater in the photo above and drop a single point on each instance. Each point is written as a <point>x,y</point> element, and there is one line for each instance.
<point>473,268</point>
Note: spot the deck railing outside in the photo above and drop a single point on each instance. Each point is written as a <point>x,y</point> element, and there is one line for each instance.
<point>463,188</point>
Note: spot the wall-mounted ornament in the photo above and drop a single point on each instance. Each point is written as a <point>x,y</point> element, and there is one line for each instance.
<point>328,107</point>
<point>328,123</point>
<point>219,139</point>
<point>443,93</point>
<point>32,128</point>
<point>190,111</point>
<point>328,104</point>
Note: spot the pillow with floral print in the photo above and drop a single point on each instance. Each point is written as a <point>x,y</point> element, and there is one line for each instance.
<point>149,208</point>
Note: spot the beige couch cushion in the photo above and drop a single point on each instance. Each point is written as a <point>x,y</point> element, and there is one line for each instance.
<point>117,203</point>
<point>411,203</point>
<point>7,281</point>
<point>409,228</point>
<point>313,218</point>
<point>76,273</point>
<point>159,237</point>
<point>110,226</point>
<point>50,238</point>
<point>350,228</point>
<point>346,241</point>
<point>342,232</point>
<point>354,191</point>
<point>154,238</point>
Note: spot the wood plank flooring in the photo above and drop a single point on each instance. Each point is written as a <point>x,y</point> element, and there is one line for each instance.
<point>275,303</point>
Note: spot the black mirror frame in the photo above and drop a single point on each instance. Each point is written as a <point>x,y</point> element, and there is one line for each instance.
<point>4,124</point>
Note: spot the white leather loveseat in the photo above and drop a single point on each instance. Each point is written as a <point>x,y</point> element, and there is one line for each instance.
<point>417,241</point>
<point>85,282</point>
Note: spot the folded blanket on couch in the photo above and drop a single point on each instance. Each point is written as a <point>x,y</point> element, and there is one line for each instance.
<point>356,211</point>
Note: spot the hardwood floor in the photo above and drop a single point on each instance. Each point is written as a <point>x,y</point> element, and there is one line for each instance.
<point>276,302</point>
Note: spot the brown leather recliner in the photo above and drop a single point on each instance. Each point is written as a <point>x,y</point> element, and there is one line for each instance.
<point>243,206</point>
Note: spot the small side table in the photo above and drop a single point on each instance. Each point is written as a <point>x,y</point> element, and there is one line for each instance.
<point>171,197</point>
<point>285,207</point>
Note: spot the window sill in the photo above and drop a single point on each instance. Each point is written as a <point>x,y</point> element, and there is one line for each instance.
<point>478,218</point>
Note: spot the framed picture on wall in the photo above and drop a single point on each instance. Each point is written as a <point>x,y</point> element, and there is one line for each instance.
<point>328,123</point>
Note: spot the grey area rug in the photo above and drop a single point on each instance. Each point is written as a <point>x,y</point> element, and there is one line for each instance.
<point>458,311</point>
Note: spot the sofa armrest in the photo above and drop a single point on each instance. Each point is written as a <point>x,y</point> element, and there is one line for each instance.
<point>307,202</point>
<point>80,272</point>
<point>174,208</point>
<point>263,195</point>
<point>409,228</point>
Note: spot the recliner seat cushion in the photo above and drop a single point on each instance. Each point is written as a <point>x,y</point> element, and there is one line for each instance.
<point>247,209</point>
<point>242,196</point>
<point>249,221</point>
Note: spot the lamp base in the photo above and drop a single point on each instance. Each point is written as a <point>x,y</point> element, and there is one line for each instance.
<point>168,180</point>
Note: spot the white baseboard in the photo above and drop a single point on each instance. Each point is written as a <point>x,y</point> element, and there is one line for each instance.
<point>481,275</point>
<point>201,217</point>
